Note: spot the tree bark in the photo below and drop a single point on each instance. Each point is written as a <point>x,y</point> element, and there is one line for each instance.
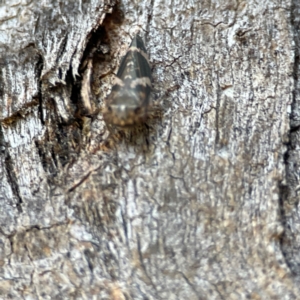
<point>202,203</point>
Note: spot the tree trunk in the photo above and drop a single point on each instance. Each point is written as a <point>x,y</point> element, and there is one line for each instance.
<point>201,203</point>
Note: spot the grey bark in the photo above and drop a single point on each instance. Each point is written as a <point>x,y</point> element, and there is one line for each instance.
<point>201,205</point>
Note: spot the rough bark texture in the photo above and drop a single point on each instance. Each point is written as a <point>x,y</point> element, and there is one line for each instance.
<point>202,205</point>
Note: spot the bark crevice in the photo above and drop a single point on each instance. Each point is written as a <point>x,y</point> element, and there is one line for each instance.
<point>289,190</point>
